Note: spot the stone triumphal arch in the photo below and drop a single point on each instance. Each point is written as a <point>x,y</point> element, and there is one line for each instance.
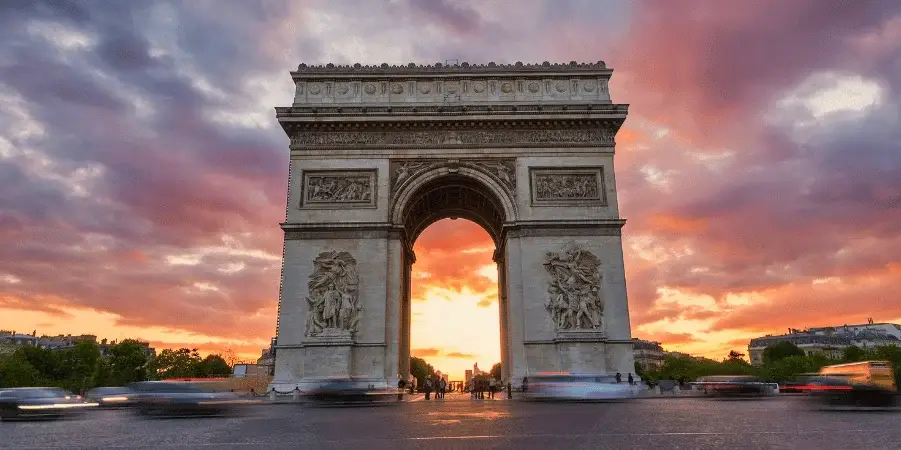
<point>378,153</point>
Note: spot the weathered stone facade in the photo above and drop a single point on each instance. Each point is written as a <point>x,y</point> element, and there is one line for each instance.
<point>378,153</point>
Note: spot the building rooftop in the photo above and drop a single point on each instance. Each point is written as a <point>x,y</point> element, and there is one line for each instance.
<point>439,68</point>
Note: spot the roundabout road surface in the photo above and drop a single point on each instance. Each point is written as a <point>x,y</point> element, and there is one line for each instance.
<point>458,422</point>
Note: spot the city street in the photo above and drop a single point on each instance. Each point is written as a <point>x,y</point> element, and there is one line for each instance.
<point>462,423</point>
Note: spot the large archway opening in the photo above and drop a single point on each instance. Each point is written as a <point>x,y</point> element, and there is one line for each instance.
<point>454,299</point>
<point>453,311</point>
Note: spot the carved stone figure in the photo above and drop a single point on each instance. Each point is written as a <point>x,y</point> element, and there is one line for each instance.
<point>567,186</point>
<point>574,299</point>
<point>338,189</point>
<point>503,170</point>
<point>333,299</point>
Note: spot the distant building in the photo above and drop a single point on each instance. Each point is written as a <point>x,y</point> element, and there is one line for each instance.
<point>830,341</point>
<point>64,342</point>
<point>648,354</point>
<point>149,351</point>
<point>468,377</point>
<point>267,357</point>
<point>13,339</point>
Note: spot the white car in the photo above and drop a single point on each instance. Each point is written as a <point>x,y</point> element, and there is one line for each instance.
<point>568,386</point>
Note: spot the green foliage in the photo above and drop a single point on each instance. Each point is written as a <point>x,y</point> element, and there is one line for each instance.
<point>214,366</point>
<point>420,369</point>
<point>854,354</point>
<point>126,363</point>
<point>180,363</point>
<point>82,367</point>
<point>495,371</point>
<point>783,364</point>
<point>779,350</point>
<point>16,371</point>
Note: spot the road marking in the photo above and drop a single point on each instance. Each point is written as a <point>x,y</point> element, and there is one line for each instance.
<point>463,438</point>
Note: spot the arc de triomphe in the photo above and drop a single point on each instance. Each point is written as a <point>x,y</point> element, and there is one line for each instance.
<point>378,153</point>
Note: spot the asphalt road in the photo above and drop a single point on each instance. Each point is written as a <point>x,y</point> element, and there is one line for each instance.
<point>782,423</point>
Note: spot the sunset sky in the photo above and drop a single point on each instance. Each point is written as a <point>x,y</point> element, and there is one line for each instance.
<point>142,171</point>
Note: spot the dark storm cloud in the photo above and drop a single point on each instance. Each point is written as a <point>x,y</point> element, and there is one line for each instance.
<point>170,179</point>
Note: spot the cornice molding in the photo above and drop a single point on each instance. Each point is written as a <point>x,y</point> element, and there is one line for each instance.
<point>439,68</point>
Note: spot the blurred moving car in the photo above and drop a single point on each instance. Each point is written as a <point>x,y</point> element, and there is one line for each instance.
<point>735,386</point>
<point>107,397</point>
<point>347,391</point>
<point>570,386</point>
<point>38,402</point>
<point>180,398</point>
<point>866,383</point>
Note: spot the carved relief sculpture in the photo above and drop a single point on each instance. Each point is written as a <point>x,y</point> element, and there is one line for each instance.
<point>502,170</point>
<point>334,295</point>
<point>574,299</point>
<point>339,188</point>
<point>566,186</point>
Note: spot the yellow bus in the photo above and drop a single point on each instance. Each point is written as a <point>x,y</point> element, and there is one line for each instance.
<point>876,374</point>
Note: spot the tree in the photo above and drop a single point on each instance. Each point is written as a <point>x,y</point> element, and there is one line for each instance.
<point>735,356</point>
<point>420,369</point>
<point>78,366</point>
<point>779,350</point>
<point>230,358</point>
<point>181,363</point>
<point>16,371</point>
<point>214,366</point>
<point>495,371</point>
<point>126,363</point>
<point>854,354</point>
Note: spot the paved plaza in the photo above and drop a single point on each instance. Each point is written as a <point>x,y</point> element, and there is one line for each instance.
<point>460,423</point>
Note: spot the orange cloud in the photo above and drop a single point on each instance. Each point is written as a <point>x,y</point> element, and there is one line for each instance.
<point>425,352</point>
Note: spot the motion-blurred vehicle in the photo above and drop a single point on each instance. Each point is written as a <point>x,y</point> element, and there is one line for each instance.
<point>866,384</point>
<point>734,386</point>
<point>180,398</point>
<point>39,402</point>
<point>347,391</point>
<point>571,386</point>
<point>108,397</point>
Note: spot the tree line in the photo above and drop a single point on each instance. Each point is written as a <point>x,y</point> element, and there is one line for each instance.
<point>782,362</point>
<point>83,367</point>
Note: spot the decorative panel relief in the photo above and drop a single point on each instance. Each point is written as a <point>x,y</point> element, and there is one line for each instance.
<point>568,186</point>
<point>354,188</point>
<point>502,170</point>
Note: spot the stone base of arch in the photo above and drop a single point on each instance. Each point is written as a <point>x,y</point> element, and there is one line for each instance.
<point>377,354</point>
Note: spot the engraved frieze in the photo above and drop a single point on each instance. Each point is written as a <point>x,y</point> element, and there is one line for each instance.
<point>333,301</point>
<point>568,186</point>
<point>501,138</point>
<point>339,188</point>
<point>574,290</point>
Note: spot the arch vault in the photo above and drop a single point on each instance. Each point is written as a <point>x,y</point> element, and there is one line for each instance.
<point>378,153</point>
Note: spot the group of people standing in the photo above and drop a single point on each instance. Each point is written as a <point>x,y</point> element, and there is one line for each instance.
<point>435,384</point>
<point>480,385</point>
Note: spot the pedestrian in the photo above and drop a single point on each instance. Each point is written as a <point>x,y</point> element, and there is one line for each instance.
<point>492,386</point>
<point>631,380</point>
<point>443,387</point>
<point>427,388</point>
<point>619,377</point>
